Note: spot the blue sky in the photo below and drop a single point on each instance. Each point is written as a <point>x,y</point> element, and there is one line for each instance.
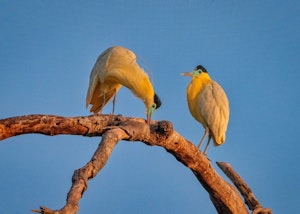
<point>251,48</point>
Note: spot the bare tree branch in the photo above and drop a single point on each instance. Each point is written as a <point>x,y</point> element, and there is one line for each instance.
<point>112,128</point>
<point>244,189</point>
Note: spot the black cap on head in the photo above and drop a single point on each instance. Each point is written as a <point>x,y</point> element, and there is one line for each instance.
<point>202,68</point>
<point>157,101</point>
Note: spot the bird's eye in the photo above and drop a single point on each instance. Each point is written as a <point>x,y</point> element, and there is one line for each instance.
<point>197,72</point>
<point>154,106</point>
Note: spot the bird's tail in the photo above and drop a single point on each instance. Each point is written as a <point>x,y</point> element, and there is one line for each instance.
<point>99,102</point>
<point>220,140</point>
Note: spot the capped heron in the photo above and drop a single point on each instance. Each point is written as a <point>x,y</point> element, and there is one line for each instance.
<point>115,67</point>
<point>208,104</point>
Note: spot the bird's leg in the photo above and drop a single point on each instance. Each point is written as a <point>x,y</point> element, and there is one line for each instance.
<point>103,103</point>
<point>206,147</point>
<point>114,103</point>
<point>202,139</point>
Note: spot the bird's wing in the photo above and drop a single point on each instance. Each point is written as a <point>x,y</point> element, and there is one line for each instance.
<point>98,102</point>
<point>214,107</point>
<point>102,85</point>
<point>97,74</point>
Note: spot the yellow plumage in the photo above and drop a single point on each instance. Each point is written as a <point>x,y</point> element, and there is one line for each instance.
<point>115,67</point>
<point>208,104</point>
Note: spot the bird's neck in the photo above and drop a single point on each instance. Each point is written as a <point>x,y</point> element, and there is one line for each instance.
<point>194,89</point>
<point>138,82</point>
<point>197,84</point>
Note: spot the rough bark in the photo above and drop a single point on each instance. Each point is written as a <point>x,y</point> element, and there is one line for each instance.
<point>224,196</point>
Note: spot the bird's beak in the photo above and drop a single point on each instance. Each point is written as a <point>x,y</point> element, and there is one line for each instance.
<point>190,74</point>
<point>150,112</point>
<point>148,119</point>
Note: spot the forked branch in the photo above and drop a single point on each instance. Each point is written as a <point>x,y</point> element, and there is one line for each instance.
<point>112,128</point>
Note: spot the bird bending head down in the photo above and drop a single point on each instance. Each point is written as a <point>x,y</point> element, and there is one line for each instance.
<point>208,104</point>
<point>153,107</point>
<point>114,68</point>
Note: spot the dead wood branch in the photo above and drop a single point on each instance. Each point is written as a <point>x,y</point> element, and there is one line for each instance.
<point>244,189</point>
<point>114,128</point>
